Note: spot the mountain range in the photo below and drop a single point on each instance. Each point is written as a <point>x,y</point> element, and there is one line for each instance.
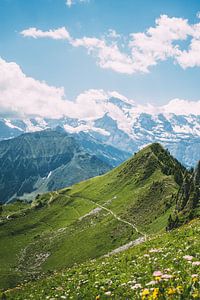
<point>38,162</point>
<point>119,123</point>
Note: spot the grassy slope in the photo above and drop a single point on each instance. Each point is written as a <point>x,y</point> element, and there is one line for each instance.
<point>56,235</point>
<point>129,275</point>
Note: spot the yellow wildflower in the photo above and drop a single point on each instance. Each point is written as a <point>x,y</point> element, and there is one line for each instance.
<point>158,278</point>
<point>171,291</point>
<point>196,294</point>
<point>179,289</point>
<point>145,293</point>
<point>195,279</point>
<point>97,297</point>
<point>155,293</point>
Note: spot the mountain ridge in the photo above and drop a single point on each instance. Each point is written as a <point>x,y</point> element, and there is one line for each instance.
<point>90,218</point>
<point>123,126</point>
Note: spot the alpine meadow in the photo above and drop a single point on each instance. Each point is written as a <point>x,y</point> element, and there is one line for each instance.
<point>99,150</point>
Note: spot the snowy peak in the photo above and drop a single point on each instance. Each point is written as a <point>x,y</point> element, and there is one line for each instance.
<point>119,122</point>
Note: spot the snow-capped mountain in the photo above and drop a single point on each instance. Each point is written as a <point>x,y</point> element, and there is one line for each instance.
<point>121,123</point>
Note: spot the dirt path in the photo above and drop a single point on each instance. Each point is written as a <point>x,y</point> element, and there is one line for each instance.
<point>138,241</point>
<point>119,218</point>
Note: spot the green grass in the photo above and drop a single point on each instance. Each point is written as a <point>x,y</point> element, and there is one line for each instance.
<point>129,275</point>
<point>52,233</point>
<point>15,207</point>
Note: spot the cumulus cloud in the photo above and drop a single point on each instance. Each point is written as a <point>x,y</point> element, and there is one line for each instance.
<point>175,106</point>
<point>24,97</point>
<point>141,50</point>
<point>21,95</point>
<point>190,58</point>
<point>182,107</point>
<point>109,55</point>
<point>157,44</point>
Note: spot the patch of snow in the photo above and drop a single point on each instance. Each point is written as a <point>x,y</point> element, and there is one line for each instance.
<point>9,124</point>
<point>49,174</point>
<point>30,127</point>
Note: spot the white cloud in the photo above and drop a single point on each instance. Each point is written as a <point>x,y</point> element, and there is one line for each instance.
<point>82,127</point>
<point>142,50</point>
<point>22,96</point>
<point>157,44</point>
<point>190,58</point>
<point>57,34</point>
<point>109,56</point>
<point>69,3</point>
<point>175,106</point>
<point>182,107</point>
<point>113,34</point>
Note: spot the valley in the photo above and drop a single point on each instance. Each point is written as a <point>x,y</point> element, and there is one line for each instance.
<point>39,162</point>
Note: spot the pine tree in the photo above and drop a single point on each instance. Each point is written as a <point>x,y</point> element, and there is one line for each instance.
<point>170,223</point>
<point>187,199</point>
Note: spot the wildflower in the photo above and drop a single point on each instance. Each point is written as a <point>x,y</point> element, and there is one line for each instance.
<point>166,276</point>
<point>179,289</point>
<point>195,294</point>
<point>123,284</point>
<point>136,286</point>
<point>167,270</point>
<point>153,282</point>
<point>171,291</point>
<point>195,279</point>
<point>188,257</point>
<point>155,250</point>
<point>97,297</point>
<point>108,293</point>
<point>155,293</point>
<point>194,275</point>
<point>196,263</point>
<point>145,293</point>
<point>157,273</point>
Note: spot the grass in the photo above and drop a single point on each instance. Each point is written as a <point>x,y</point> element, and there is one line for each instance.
<point>53,233</point>
<point>165,267</point>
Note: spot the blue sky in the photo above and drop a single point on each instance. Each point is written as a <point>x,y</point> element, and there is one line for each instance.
<point>60,64</point>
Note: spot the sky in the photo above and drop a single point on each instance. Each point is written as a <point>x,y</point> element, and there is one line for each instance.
<point>55,51</point>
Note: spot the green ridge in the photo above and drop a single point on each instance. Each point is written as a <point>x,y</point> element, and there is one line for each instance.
<point>61,228</point>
